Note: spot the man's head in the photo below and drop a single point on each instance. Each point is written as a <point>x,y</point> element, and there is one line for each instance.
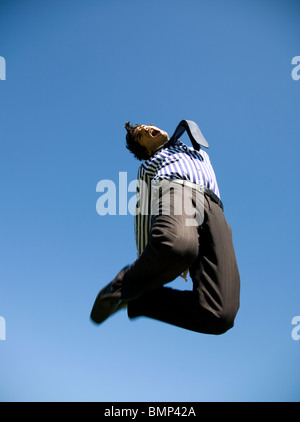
<point>143,140</point>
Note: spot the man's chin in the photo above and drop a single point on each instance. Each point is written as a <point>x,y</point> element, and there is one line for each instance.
<point>164,137</point>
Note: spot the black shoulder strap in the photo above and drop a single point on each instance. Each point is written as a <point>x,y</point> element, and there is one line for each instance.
<point>193,131</point>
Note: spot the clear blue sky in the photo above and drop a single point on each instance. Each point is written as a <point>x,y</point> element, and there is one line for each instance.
<point>76,71</point>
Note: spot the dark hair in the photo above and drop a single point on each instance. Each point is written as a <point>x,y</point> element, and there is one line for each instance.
<point>132,143</point>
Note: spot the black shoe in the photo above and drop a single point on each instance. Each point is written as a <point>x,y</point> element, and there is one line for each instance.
<point>108,302</point>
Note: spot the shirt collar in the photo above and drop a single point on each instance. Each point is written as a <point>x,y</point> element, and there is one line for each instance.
<point>159,148</point>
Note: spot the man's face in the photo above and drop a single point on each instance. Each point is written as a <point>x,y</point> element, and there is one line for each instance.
<point>151,137</point>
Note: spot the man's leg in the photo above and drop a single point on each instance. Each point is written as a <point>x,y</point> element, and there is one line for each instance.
<point>172,248</point>
<point>212,305</point>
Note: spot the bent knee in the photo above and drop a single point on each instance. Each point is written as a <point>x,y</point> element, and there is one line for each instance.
<point>224,322</point>
<point>179,251</point>
<point>223,325</point>
<point>178,243</point>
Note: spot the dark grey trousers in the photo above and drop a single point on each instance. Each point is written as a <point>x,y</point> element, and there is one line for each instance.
<point>173,246</point>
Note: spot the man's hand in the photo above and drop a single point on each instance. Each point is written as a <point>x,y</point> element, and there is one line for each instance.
<point>184,274</point>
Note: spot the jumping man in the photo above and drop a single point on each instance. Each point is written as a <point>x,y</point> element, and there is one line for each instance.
<point>169,244</point>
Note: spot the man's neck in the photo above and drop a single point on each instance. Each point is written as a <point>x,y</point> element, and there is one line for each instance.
<point>159,148</point>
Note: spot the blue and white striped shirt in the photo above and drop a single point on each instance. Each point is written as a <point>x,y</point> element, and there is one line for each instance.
<point>174,162</point>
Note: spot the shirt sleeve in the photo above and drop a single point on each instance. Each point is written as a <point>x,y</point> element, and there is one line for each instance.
<point>142,211</point>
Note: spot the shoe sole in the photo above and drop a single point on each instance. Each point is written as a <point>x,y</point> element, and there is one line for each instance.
<point>105,307</point>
